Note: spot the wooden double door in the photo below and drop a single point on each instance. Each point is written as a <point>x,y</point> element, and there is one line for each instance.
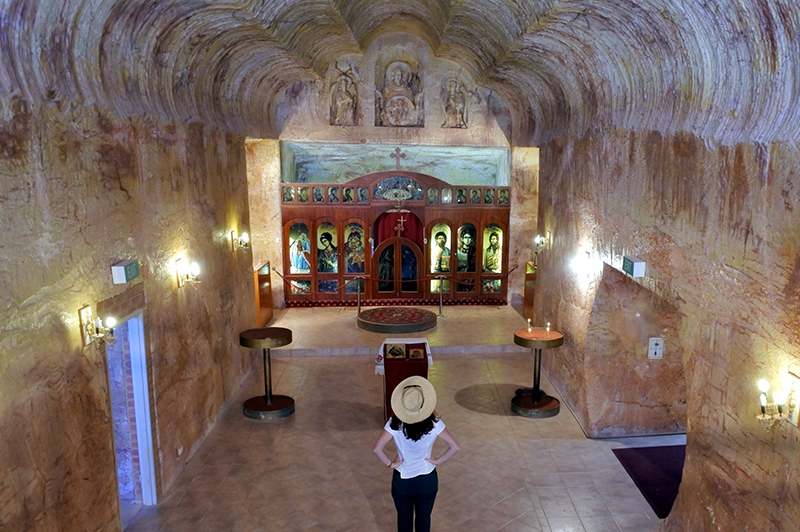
<point>399,269</point>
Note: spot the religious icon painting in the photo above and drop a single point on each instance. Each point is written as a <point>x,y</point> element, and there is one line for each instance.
<point>416,354</point>
<point>333,195</point>
<point>347,195</point>
<point>354,286</point>
<point>465,285</point>
<point>319,195</point>
<point>302,194</point>
<point>327,254</point>
<point>461,195</point>
<point>354,248</point>
<point>474,196</point>
<point>299,249</point>
<point>447,196</point>
<point>440,286</point>
<point>488,196</point>
<point>288,194</point>
<point>465,253</point>
<point>493,253</point>
<point>395,351</point>
<point>502,197</point>
<point>301,287</point>
<point>328,287</point>
<point>440,248</point>
<point>492,286</point>
<point>433,195</point>
<point>363,195</point>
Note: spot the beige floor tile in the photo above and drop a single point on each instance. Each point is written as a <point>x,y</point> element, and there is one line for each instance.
<point>315,470</point>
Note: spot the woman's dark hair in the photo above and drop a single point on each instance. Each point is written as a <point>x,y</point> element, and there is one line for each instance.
<point>414,431</point>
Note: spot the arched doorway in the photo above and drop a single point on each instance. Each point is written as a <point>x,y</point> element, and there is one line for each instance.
<point>399,264</point>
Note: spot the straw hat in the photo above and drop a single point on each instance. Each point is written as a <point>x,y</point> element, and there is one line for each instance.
<point>414,399</point>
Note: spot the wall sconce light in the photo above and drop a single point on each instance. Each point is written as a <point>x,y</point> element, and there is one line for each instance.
<point>241,242</point>
<point>779,410</point>
<point>92,329</point>
<point>541,242</point>
<point>187,274</point>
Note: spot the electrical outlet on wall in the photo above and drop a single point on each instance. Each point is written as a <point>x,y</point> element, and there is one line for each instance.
<point>655,349</point>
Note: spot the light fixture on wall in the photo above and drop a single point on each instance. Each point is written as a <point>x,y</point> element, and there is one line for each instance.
<point>541,242</point>
<point>96,329</point>
<point>241,242</point>
<point>781,409</point>
<point>187,273</point>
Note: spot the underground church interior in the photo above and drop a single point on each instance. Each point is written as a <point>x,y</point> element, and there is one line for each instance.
<point>589,205</point>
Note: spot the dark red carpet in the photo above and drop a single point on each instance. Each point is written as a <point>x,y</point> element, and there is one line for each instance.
<point>396,319</point>
<point>657,472</point>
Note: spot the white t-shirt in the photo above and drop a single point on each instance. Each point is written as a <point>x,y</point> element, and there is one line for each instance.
<point>414,453</point>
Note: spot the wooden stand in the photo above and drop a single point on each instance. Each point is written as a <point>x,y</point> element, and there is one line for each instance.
<point>533,402</point>
<point>267,406</point>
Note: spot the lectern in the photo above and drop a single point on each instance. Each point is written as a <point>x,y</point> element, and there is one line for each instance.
<point>533,402</point>
<point>267,406</point>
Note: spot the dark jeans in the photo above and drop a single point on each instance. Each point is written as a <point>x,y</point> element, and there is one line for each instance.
<point>413,498</point>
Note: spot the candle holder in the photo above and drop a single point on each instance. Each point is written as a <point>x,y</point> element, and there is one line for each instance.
<point>780,410</point>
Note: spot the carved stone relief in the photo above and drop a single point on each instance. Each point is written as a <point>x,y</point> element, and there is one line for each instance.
<point>344,99</point>
<point>454,101</point>
<point>399,96</point>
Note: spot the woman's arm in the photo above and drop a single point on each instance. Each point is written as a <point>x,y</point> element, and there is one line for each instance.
<point>383,439</point>
<point>452,448</point>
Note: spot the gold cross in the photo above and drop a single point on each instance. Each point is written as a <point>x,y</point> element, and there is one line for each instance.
<point>399,227</point>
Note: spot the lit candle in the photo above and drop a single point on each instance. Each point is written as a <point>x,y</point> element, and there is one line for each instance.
<point>780,398</point>
<point>548,326</point>
<point>763,402</point>
<point>529,325</point>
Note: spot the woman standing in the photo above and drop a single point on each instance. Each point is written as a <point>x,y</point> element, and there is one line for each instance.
<point>414,428</point>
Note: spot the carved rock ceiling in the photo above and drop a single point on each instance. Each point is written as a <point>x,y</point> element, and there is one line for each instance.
<point>719,69</point>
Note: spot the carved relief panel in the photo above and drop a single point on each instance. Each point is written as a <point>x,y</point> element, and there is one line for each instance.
<point>399,94</point>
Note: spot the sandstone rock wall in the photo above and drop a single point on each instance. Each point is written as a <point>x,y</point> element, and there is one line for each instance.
<point>717,228</point>
<point>80,191</point>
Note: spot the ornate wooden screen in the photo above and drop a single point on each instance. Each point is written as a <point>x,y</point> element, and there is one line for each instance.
<point>398,238</point>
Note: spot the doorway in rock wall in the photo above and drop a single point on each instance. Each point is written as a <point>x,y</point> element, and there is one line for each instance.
<point>130,405</point>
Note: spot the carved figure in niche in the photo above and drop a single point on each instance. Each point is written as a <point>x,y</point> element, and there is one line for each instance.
<point>454,99</point>
<point>399,101</point>
<point>344,100</point>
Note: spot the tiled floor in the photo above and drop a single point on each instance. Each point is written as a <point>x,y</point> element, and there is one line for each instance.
<point>315,471</point>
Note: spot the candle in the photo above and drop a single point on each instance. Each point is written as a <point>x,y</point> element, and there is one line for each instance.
<point>529,325</point>
<point>548,326</point>
<point>763,402</point>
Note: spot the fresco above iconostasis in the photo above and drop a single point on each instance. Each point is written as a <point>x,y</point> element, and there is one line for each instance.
<point>330,163</point>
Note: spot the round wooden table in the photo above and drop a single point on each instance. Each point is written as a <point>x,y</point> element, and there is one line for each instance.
<point>267,406</point>
<point>533,402</point>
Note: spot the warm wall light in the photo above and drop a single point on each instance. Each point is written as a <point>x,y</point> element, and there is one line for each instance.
<point>241,242</point>
<point>779,410</point>
<point>187,273</point>
<point>92,329</point>
<point>542,242</point>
